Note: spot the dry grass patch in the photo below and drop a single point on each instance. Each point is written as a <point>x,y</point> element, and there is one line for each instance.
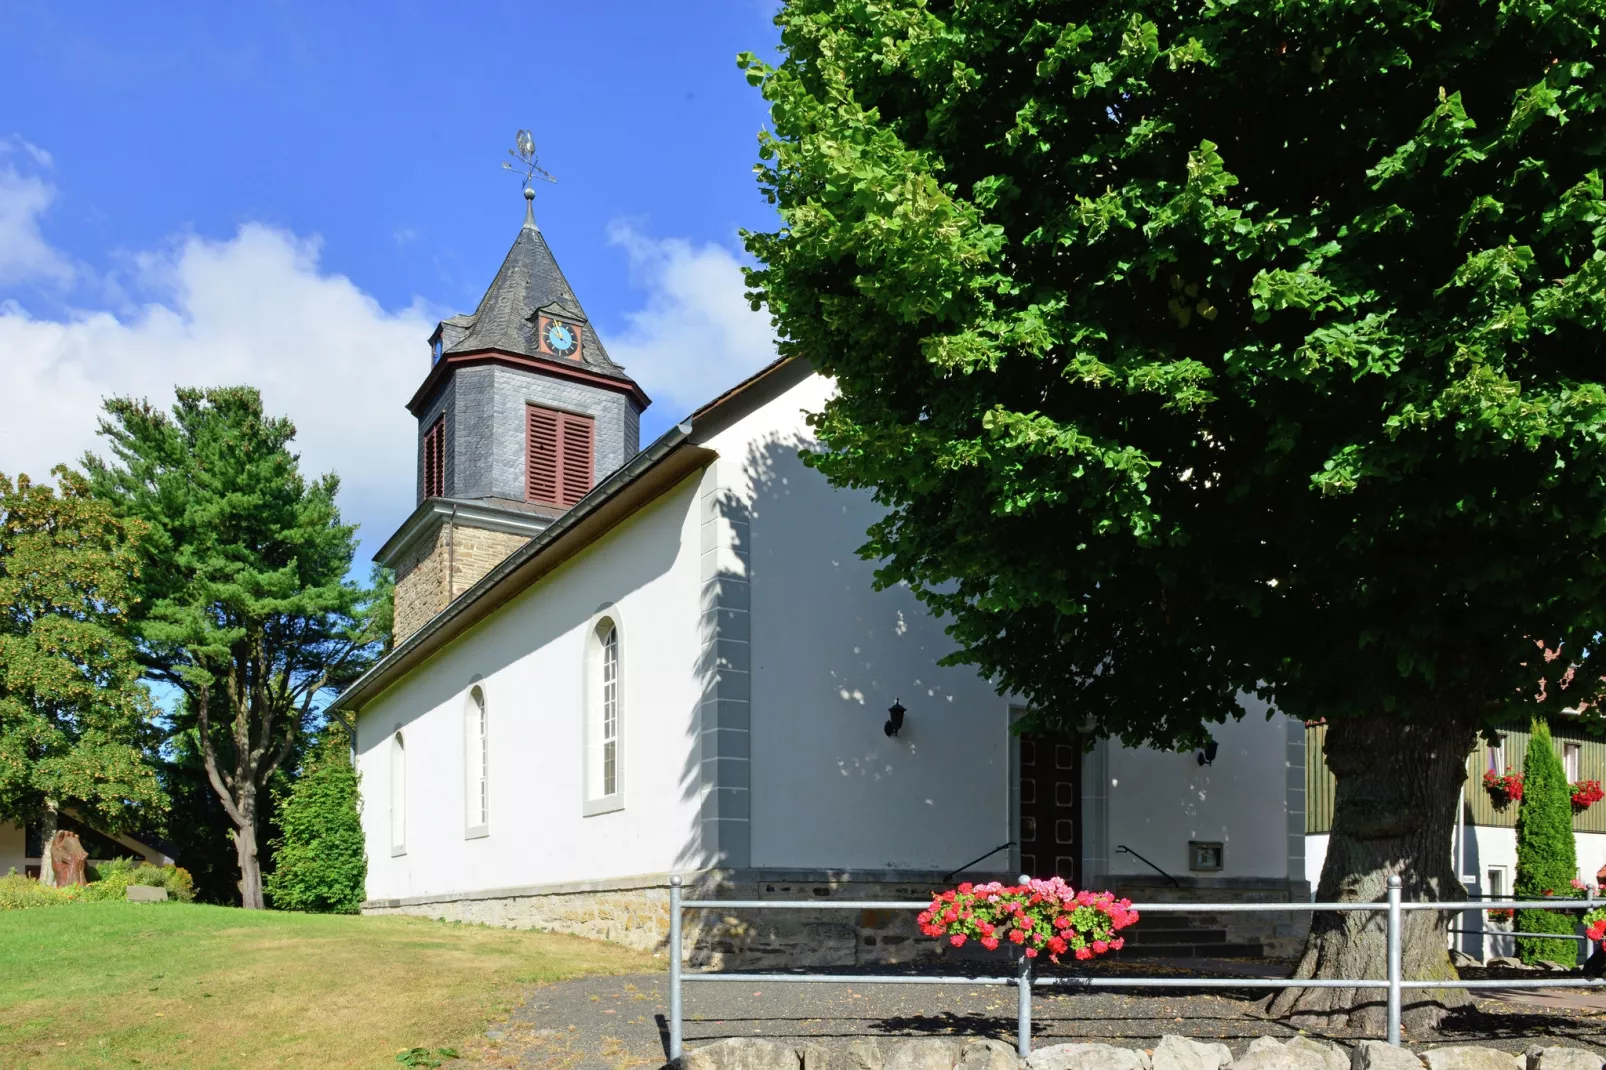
<point>126,984</point>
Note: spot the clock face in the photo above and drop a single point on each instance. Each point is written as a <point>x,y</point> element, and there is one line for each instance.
<point>559,338</point>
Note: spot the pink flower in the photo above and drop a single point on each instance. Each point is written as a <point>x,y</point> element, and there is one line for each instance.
<point>957,939</point>
<point>1031,952</point>
<point>1100,947</point>
<point>1118,943</point>
<point>990,943</point>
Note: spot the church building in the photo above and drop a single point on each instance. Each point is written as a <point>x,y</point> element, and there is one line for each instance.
<point>614,664</point>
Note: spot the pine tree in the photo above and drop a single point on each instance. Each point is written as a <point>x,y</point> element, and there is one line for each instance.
<point>1547,857</point>
<point>319,862</point>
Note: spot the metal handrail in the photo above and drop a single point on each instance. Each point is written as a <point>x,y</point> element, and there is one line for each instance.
<point>952,873</point>
<point>1025,981</point>
<point>1122,848</point>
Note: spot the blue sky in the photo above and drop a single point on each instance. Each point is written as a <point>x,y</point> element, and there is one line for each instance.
<point>290,194</point>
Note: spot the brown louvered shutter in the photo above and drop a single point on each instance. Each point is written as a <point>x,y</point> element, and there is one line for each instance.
<point>542,450</point>
<point>576,461</point>
<point>435,459</point>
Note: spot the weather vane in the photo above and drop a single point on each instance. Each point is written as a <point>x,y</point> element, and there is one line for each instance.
<point>529,165</point>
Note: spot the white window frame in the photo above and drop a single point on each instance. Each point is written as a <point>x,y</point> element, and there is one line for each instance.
<point>603,702</point>
<point>1495,757</point>
<point>1572,761</point>
<point>476,764</point>
<point>398,795</point>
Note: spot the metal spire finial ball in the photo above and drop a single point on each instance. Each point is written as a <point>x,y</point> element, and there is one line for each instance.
<point>529,194</point>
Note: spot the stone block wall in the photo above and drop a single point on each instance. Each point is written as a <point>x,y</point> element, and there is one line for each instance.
<point>420,584</point>
<point>439,568</point>
<point>475,551</point>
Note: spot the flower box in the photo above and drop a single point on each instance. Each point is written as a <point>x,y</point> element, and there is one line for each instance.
<point>1038,916</point>
<point>1586,793</point>
<point>1503,787</point>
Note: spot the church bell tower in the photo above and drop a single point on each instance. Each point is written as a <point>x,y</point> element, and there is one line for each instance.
<point>520,415</point>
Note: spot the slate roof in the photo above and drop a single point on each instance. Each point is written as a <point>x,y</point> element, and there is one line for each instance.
<point>529,281</point>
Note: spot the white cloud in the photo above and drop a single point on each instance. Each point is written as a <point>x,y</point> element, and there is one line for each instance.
<point>696,337</point>
<point>258,308</point>
<point>254,309</point>
<point>25,256</point>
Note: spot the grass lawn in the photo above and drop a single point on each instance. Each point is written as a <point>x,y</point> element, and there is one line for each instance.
<point>171,984</point>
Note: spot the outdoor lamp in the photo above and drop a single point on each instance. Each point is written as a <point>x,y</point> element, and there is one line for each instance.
<point>895,714</point>
<point>1208,755</point>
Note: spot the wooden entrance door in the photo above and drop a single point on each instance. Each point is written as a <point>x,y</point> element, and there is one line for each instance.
<point>1051,807</point>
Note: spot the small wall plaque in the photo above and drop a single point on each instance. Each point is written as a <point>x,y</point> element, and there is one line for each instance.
<point>1204,857</point>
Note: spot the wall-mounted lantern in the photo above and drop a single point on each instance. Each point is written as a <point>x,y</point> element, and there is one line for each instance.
<point>895,714</point>
<point>1208,755</point>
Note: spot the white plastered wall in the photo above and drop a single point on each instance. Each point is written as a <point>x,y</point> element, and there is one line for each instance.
<point>1159,801</point>
<point>529,658</point>
<point>829,655</point>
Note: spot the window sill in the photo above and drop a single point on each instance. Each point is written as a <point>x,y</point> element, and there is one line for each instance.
<point>397,852</point>
<point>476,832</point>
<point>605,805</point>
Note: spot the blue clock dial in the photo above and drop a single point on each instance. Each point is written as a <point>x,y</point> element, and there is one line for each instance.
<point>560,338</point>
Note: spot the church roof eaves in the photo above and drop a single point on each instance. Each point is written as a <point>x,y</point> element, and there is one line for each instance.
<point>511,518</point>
<point>561,368</point>
<point>655,470</point>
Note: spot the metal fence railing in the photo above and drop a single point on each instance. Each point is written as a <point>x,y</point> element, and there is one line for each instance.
<point>1025,980</point>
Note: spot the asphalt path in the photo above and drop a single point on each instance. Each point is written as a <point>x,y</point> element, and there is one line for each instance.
<point>619,1023</point>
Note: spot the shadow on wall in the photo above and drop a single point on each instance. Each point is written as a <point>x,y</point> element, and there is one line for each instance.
<point>840,653</point>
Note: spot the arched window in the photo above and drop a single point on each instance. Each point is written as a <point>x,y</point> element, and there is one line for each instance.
<point>476,764</point>
<point>398,795</point>
<point>604,779</point>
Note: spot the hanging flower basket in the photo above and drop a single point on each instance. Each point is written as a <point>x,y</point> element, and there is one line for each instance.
<point>1500,915</point>
<point>1039,916</point>
<point>1586,793</point>
<point>1504,788</point>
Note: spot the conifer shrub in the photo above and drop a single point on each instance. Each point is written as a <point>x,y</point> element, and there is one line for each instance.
<point>1547,857</point>
<point>320,866</point>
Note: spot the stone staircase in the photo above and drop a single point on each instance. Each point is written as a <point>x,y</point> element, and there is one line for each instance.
<point>1183,936</point>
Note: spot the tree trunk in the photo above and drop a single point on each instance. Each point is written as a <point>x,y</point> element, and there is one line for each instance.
<point>47,832</point>
<point>245,849</point>
<point>1394,813</point>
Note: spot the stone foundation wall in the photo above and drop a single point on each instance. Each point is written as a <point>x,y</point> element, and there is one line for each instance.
<point>1282,935</point>
<point>635,912</point>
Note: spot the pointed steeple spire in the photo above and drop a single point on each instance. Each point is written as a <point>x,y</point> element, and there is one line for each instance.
<point>529,285</point>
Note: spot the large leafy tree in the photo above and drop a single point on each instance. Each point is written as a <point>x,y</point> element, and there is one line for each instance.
<point>246,610</point>
<point>76,722</point>
<point>1198,348</point>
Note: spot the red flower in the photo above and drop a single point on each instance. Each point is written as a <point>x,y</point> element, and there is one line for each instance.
<point>1016,936</point>
<point>1031,952</point>
<point>957,939</point>
<point>1084,953</point>
<point>990,943</point>
<point>966,888</point>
